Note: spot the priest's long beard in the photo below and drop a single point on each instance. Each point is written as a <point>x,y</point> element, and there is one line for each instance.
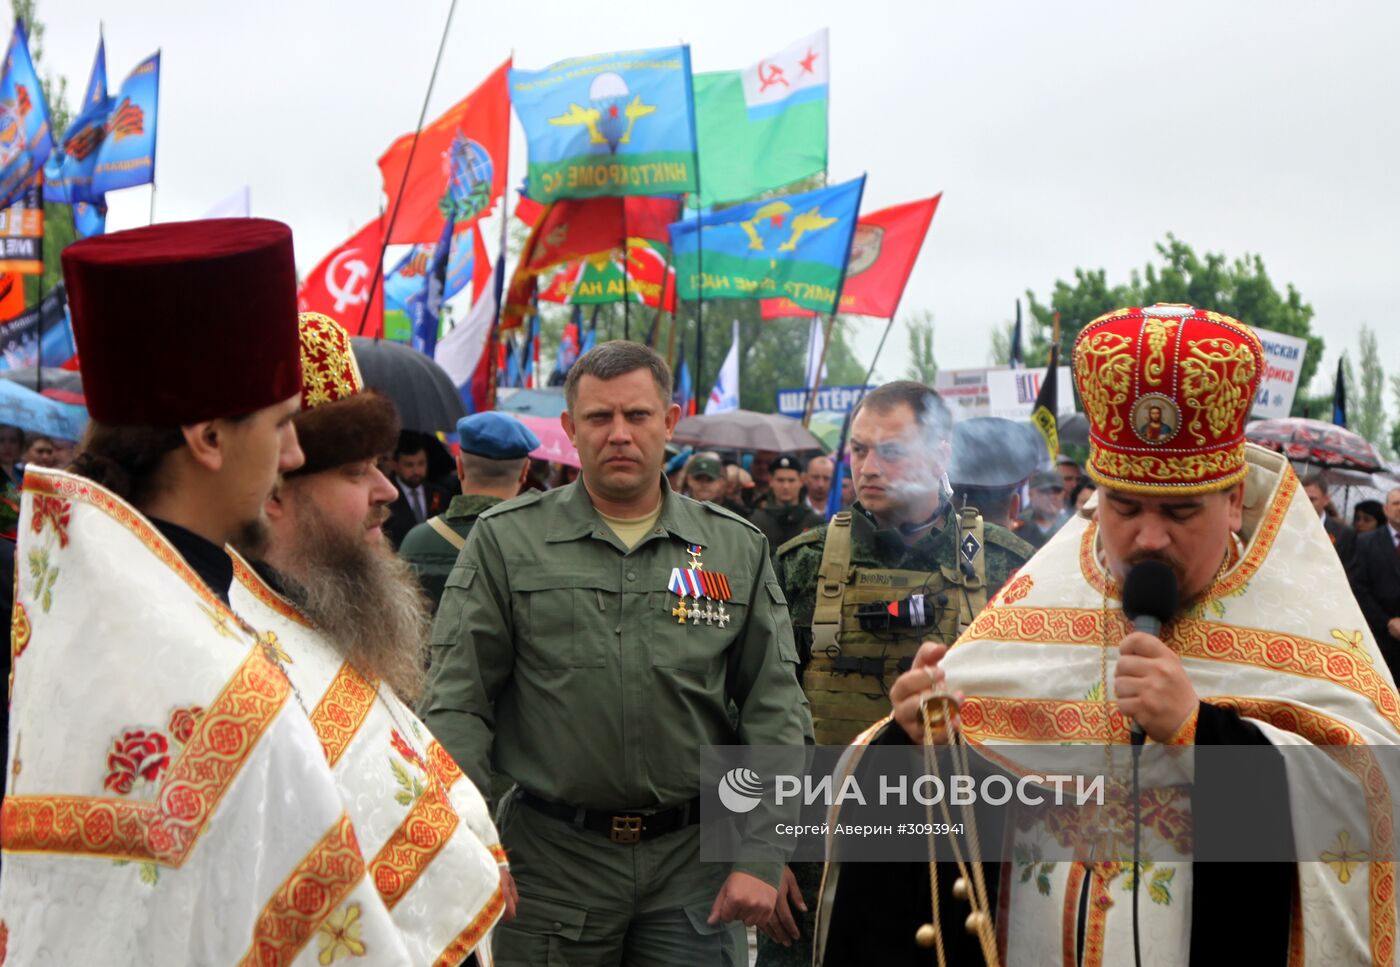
<point>363,597</point>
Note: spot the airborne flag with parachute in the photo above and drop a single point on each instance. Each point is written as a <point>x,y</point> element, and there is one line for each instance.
<point>883,252</point>
<point>608,124</point>
<point>794,246</point>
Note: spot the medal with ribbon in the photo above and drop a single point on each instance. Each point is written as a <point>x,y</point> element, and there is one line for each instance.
<point>697,583</point>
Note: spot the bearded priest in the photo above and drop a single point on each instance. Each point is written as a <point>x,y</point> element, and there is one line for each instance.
<point>352,626</point>
<point>1267,648</point>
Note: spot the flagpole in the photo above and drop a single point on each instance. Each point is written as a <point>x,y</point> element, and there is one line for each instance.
<point>835,308</point>
<point>626,299</point>
<point>39,360</point>
<point>821,362</point>
<point>151,218</point>
<point>408,166</point>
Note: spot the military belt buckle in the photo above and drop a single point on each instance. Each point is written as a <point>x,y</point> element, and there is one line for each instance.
<point>626,830</point>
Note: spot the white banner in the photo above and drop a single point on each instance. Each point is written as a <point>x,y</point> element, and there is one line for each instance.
<point>1011,392</point>
<point>1283,365</point>
<point>965,391</point>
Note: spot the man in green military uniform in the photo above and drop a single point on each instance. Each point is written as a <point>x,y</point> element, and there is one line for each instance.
<point>901,567</point>
<point>492,465</point>
<point>590,640</point>
<point>785,515</point>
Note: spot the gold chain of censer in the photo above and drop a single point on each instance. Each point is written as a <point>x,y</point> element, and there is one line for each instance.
<point>936,710</point>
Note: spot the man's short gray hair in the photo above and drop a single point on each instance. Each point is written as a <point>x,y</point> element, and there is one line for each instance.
<point>617,357</point>
<point>488,472</point>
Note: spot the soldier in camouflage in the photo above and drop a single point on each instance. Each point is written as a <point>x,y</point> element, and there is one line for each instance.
<point>903,566</point>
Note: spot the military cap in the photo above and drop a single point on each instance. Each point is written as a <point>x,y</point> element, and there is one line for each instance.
<point>496,436</point>
<point>992,453</point>
<point>702,465</point>
<point>1047,480</point>
<point>785,462</point>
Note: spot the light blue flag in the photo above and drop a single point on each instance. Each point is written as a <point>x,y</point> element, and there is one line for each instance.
<point>25,138</point>
<point>794,246</point>
<point>128,153</point>
<point>608,124</point>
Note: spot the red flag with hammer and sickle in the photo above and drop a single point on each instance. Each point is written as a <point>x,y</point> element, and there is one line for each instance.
<point>339,286</point>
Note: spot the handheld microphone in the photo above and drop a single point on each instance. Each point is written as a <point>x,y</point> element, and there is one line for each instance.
<point>1149,601</point>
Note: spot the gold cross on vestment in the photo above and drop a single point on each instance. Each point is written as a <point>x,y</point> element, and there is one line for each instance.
<point>1106,844</point>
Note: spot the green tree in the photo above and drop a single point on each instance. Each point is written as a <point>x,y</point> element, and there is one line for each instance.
<point>923,366</point>
<point>1395,427</point>
<point>1368,416</point>
<point>1240,288</point>
<point>58,218</point>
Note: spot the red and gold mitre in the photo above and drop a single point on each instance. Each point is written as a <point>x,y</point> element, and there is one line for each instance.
<point>1167,390</point>
<point>328,368</point>
<point>340,420</point>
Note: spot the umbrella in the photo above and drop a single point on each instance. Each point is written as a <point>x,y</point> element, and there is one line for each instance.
<point>1074,429</point>
<point>64,385</point>
<point>33,413</point>
<point>537,402</point>
<point>419,387</point>
<point>555,445</point>
<point>1317,443</point>
<point>746,430</point>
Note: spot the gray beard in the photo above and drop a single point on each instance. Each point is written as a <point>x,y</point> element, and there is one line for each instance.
<point>364,599</point>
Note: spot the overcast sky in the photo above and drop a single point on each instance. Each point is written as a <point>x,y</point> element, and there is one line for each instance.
<point>1062,134</point>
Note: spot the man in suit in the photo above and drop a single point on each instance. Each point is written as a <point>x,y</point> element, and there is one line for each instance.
<point>1375,579</point>
<point>1343,537</point>
<point>419,498</point>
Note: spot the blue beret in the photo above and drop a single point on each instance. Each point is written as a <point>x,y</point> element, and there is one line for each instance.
<point>496,436</point>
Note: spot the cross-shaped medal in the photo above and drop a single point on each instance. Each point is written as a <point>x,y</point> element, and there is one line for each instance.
<point>681,612</point>
<point>721,616</point>
<point>1106,848</point>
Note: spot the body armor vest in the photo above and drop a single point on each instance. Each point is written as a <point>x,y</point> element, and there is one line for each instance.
<point>868,624</point>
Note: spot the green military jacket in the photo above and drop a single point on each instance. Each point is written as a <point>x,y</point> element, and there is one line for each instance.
<point>798,562</point>
<point>780,523</point>
<point>430,554</point>
<point>566,661</point>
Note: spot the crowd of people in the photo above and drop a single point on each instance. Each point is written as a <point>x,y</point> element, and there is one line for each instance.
<point>285,688</point>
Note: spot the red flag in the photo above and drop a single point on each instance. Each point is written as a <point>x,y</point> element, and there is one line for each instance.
<point>481,267</point>
<point>645,267</point>
<point>575,227</point>
<point>883,251</point>
<point>460,164</point>
<point>528,210</point>
<point>339,285</point>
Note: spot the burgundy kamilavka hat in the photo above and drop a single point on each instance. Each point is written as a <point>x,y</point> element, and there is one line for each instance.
<point>185,322</point>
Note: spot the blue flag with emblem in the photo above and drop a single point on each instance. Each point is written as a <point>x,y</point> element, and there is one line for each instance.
<point>608,124</point>
<point>25,138</point>
<point>127,156</point>
<point>68,174</point>
<point>794,246</point>
<point>426,309</point>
